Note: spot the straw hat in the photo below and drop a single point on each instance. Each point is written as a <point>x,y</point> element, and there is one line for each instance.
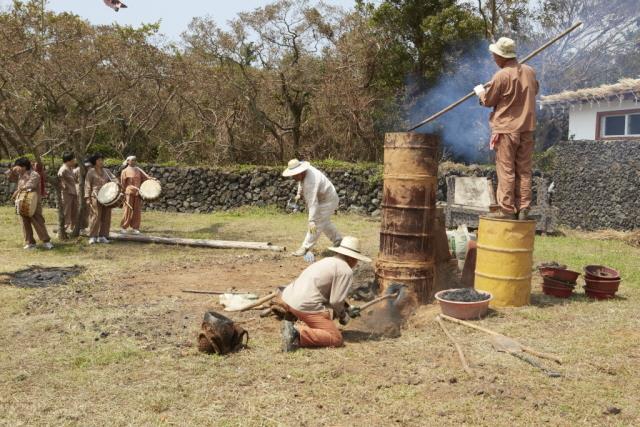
<point>350,246</point>
<point>295,167</point>
<point>504,47</point>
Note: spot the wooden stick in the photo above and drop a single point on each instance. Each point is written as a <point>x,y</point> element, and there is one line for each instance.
<point>490,332</point>
<point>465,365</point>
<point>377,300</point>
<point>541,354</point>
<point>471,94</point>
<point>195,291</point>
<point>216,244</point>
<point>257,302</point>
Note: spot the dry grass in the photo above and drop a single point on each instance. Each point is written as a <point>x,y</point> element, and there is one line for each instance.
<point>115,347</point>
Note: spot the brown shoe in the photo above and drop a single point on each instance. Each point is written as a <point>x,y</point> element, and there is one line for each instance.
<point>501,215</point>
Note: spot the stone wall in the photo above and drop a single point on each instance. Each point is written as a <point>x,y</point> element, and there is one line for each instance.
<point>597,184</point>
<point>192,189</point>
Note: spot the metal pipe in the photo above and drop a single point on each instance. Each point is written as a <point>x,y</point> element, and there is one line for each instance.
<point>471,94</point>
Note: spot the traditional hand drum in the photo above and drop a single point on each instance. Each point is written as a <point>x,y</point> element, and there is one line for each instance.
<point>26,203</point>
<point>150,190</point>
<point>110,195</point>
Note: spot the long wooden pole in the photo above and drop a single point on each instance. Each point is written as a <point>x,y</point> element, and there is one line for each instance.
<point>216,244</point>
<point>463,360</point>
<point>257,302</point>
<point>471,94</point>
<point>377,300</point>
<point>497,334</point>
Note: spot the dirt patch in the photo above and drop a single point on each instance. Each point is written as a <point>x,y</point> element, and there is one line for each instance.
<point>36,276</point>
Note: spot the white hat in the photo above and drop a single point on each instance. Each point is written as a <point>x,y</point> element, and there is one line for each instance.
<point>504,47</point>
<point>295,167</point>
<point>128,159</point>
<point>350,246</point>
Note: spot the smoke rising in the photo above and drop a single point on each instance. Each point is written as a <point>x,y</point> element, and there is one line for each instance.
<point>464,131</point>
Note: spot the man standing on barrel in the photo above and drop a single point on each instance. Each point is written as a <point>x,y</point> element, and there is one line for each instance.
<point>512,95</point>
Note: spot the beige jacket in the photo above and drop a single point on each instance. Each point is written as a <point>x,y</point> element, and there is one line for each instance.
<point>512,94</point>
<point>321,286</point>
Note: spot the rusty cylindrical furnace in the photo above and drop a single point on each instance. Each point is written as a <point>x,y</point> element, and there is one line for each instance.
<point>407,238</point>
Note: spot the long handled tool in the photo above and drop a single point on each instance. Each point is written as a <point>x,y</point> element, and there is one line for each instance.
<point>471,94</point>
<point>513,344</point>
<point>257,302</point>
<point>463,360</point>
<point>507,345</point>
<point>196,291</point>
<point>377,300</point>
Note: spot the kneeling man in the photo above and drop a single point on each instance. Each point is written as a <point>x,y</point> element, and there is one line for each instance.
<point>318,296</point>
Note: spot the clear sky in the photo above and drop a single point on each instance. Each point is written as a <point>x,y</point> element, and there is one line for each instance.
<point>174,15</point>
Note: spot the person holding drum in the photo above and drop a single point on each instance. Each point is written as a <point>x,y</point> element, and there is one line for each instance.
<point>131,180</point>
<point>68,180</point>
<point>100,210</point>
<point>27,195</point>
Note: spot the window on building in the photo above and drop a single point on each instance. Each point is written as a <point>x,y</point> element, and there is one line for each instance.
<point>617,124</point>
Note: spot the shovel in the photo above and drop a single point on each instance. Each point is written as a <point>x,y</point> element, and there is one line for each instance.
<point>513,344</point>
<point>507,345</point>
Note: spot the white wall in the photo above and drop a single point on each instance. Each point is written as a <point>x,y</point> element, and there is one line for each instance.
<point>582,117</point>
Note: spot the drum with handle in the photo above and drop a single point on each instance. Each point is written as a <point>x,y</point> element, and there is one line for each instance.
<point>26,203</point>
<point>110,195</point>
<point>150,190</point>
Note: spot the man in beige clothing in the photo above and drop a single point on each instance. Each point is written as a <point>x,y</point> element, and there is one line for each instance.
<point>68,190</point>
<point>29,180</point>
<point>100,215</point>
<point>512,94</point>
<point>318,296</point>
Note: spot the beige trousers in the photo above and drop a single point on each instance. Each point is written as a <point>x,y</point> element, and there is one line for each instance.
<point>37,222</point>
<point>514,161</point>
<point>70,207</point>
<point>99,219</point>
<point>132,216</point>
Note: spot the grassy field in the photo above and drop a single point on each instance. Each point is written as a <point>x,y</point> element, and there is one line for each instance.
<point>116,345</point>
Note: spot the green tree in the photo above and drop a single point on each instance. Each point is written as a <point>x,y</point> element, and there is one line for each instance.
<point>422,35</point>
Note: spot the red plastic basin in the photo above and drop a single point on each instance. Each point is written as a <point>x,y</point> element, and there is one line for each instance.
<point>600,295</point>
<point>603,285</point>
<point>464,310</point>
<point>601,272</point>
<point>548,281</point>
<point>557,291</point>
<point>560,274</point>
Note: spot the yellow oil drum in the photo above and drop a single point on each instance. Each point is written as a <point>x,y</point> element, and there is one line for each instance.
<point>504,260</point>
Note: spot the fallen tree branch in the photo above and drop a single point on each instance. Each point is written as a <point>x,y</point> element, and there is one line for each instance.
<point>203,243</point>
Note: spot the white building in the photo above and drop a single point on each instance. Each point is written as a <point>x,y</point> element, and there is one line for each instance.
<point>605,112</point>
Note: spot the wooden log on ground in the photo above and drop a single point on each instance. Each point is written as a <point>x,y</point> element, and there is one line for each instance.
<point>201,243</point>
